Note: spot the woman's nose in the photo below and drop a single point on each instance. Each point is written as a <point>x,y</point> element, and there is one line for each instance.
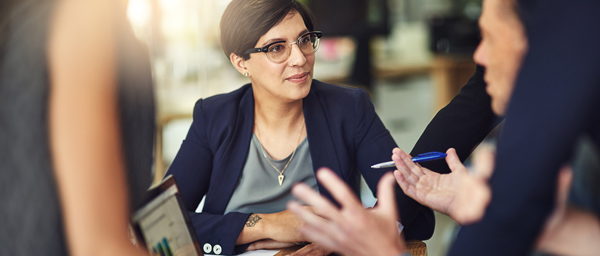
<point>297,57</point>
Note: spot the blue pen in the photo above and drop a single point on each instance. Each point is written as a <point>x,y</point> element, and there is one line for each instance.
<point>420,158</point>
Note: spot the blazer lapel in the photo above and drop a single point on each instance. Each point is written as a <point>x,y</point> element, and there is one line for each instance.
<point>231,165</point>
<point>321,144</point>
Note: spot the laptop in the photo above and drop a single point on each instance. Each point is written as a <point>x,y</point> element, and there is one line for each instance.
<point>162,223</point>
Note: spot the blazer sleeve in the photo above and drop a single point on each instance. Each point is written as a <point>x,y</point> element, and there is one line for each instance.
<point>462,124</point>
<point>374,144</point>
<point>192,169</point>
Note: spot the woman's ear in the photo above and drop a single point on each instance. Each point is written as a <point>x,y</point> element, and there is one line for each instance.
<point>239,63</point>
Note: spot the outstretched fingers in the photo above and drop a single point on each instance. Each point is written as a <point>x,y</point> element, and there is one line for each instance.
<point>401,180</point>
<point>340,191</point>
<point>308,217</point>
<point>454,161</point>
<point>319,204</point>
<point>411,171</point>
<point>386,199</point>
<point>483,161</point>
<point>325,236</point>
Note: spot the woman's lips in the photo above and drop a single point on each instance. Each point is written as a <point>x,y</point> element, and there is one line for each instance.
<point>299,78</point>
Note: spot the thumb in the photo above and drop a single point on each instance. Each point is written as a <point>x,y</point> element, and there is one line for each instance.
<point>386,200</point>
<point>483,161</point>
<point>454,162</point>
<point>565,177</point>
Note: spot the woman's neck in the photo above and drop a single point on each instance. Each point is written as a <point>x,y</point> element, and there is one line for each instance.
<point>279,126</point>
<point>285,115</point>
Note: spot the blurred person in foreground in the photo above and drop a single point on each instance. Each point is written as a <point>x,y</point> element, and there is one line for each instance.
<point>554,103</point>
<point>461,196</point>
<point>76,128</point>
<point>246,149</point>
<point>570,229</point>
<point>464,197</point>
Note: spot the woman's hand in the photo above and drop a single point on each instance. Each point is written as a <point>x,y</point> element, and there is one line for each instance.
<point>312,250</point>
<point>308,250</point>
<point>284,226</point>
<point>280,226</point>
<point>351,229</point>
<point>462,196</point>
<point>268,244</point>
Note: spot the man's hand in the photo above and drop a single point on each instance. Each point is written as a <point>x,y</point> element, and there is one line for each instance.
<point>462,196</point>
<point>351,229</point>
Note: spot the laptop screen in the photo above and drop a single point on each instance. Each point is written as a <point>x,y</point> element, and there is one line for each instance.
<point>163,223</point>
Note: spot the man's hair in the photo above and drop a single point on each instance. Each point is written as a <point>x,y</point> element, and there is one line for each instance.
<point>245,21</point>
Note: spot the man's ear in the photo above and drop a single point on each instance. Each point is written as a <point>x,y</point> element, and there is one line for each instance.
<point>238,63</point>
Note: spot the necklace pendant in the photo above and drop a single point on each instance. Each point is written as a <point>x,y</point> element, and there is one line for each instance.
<point>280,177</point>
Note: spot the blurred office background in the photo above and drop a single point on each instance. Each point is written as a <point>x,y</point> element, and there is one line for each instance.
<point>411,55</point>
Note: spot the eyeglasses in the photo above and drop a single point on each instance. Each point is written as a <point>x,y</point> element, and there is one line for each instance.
<point>280,51</point>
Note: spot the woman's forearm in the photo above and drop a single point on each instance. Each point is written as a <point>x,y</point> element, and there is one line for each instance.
<point>254,229</point>
<point>280,226</point>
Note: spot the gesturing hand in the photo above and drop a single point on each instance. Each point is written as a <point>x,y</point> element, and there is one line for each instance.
<point>312,250</point>
<point>457,194</point>
<point>351,229</point>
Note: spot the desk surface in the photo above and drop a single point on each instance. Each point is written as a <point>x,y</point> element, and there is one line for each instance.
<point>416,248</point>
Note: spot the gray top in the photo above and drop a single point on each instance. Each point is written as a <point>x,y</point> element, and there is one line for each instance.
<point>258,190</point>
<point>30,213</point>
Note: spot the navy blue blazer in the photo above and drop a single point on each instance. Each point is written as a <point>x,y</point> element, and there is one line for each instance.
<point>462,124</point>
<point>344,134</point>
<point>555,101</point>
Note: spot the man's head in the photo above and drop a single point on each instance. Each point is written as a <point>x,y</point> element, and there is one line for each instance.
<point>501,50</point>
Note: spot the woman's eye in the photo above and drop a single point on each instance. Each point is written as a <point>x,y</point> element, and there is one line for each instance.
<point>305,40</point>
<point>277,48</point>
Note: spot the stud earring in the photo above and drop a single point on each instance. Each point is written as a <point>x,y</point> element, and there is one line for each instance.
<point>246,74</point>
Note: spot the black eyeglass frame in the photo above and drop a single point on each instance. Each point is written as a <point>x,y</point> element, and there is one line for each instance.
<point>265,49</point>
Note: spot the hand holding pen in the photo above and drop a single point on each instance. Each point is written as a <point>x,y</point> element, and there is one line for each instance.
<point>456,194</point>
<point>420,158</point>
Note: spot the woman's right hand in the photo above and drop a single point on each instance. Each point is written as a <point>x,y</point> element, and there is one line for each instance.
<point>283,226</point>
<point>280,226</point>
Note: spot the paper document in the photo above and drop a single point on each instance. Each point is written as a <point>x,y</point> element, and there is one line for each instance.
<point>255,253</point>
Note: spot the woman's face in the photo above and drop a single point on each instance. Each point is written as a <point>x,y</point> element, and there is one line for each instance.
<point>287,81</point>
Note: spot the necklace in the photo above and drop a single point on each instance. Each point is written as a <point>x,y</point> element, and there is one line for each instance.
<point>280,177</point>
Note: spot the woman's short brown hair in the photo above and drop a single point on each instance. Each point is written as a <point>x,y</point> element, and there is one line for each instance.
<point>245,21</point>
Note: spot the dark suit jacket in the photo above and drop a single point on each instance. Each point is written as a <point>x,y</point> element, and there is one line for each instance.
<point>344,134</point>
<point>556,100</point>
<point>462,124</point>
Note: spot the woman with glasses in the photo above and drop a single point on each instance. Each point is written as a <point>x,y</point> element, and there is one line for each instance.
<point>247,148</point>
